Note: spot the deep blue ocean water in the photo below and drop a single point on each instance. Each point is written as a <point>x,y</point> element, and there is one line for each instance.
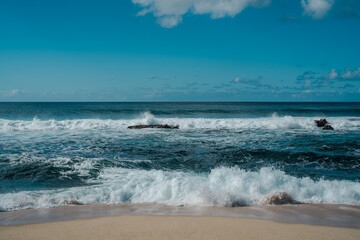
<point>53,154</point>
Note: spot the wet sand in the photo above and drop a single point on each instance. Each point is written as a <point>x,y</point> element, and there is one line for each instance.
<point>332,215</point>
<point>305,221</point>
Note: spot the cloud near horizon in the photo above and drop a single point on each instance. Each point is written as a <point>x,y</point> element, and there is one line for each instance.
<point>255,81</point>
<point>169,13</point>
<point>11,93</point>
<point>310,78</point>
<point>347,75</point>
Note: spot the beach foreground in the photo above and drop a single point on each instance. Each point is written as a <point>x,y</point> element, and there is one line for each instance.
<point>173,227</point>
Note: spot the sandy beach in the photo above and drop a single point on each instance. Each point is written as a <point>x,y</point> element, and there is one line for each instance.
<point>173,227</point>
<point>305,221</point>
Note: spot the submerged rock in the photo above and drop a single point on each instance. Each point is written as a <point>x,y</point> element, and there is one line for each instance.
<point>321,122</point>
<point>328,127</point>
<point>277,198</point>
<point>154,126</point>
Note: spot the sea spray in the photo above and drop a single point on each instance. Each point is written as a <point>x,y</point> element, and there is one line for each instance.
<point>270,123</point>
<point>221,187</point>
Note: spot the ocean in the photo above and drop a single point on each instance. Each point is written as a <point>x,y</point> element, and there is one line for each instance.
<point>223,154</point>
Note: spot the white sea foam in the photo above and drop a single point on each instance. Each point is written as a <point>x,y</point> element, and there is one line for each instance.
<point>80,166</point>
<point>274,122</point>
<point>221,187</point>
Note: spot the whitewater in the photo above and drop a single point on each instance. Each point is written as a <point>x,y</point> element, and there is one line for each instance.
<point>227,155</point>
<point>273,122</point>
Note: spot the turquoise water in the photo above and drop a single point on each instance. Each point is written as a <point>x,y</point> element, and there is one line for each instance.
<point>52,154</point>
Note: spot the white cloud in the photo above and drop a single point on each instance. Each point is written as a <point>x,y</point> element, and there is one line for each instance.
<point>11,93</point>
<point>237,79</point>
<point>170,12</point>
<point>332,75</point>
<point>307,91</point>
<point>316,8</point>
<point>310,78</point>
<point>348,74</point>
<point>169,21</point>
<point>255,81</point>
<point>222,8</point>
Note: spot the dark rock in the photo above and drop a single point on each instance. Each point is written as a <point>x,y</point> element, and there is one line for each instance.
<point>321,122</point>
<point>328,127</point>
<point>72,202</point>
<point>154,126</point>
<point>236,203</point>
<point>278,198</point>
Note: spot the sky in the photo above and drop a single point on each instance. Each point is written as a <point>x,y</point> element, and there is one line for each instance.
<point>180,50</point>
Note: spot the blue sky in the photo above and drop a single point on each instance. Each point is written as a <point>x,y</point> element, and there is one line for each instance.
<point>180,50</point>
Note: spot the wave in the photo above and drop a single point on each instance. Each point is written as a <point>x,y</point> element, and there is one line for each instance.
<point>221,187</point>
<point>273,122</point>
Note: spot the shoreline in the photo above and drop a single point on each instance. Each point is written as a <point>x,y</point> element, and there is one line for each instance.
<point>330,215</point>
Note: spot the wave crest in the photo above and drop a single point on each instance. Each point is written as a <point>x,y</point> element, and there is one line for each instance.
<point>271,123</point>
<point>221,187</point>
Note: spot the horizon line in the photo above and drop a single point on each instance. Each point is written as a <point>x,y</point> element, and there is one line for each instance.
<point>179,101</point>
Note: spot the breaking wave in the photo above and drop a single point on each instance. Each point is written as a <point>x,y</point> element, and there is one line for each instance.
<point>273,122</point>
<point>221,187</point>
